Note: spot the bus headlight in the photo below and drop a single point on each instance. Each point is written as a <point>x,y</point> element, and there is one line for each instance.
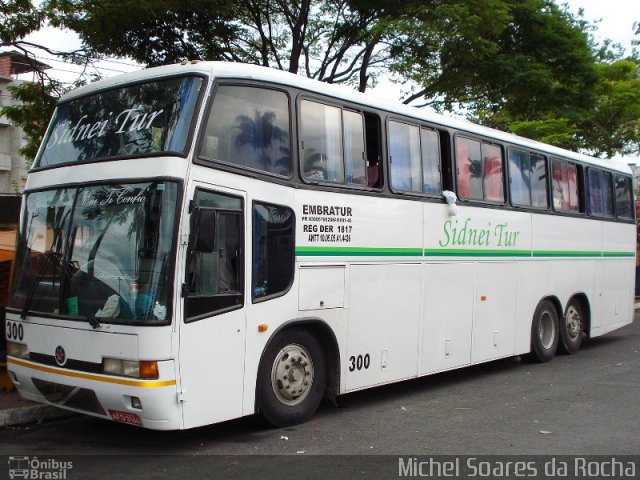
<point>18,350</point>
<point>130,368</point>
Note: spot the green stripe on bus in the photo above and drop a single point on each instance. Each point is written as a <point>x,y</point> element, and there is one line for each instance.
<point>564,253</point>
<point>357,252</point>
<point>450,252</point>
<point>416,252</point>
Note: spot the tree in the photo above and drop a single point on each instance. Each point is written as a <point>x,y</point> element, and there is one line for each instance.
<point>18,18</point>
<point>613,126</point>
<point>502,61</point>
<point>37,103</point>
<point>609,127</point>
<point>456,51</point>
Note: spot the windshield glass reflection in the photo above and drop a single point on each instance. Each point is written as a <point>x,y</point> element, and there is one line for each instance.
<point>135,120</point>
<point>100,252</point>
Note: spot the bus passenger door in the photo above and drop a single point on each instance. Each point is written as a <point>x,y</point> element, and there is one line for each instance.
<point>212,335</point>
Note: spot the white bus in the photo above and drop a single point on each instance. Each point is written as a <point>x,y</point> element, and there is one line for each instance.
<point>205,241</point>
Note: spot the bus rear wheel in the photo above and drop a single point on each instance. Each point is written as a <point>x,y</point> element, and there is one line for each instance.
<point>291,379</point>
<point>571,328</point>
<point>544,332</point>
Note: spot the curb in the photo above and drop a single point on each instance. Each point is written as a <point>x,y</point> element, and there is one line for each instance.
<point>31,414</point>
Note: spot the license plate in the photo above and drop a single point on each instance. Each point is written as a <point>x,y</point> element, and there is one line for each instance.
<point>126,417</point>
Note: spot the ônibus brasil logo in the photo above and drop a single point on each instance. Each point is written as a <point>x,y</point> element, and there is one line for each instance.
<point>38,469</point>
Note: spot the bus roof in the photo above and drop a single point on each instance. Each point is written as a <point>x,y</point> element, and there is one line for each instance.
<point>255,72</point>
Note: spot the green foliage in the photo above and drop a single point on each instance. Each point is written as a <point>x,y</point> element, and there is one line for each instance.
<point>17,19</point>
<point>557,131</point>
<point>37,105</point>
<point>528,66</point>
<point>613,126</point>
<point>152,32</point>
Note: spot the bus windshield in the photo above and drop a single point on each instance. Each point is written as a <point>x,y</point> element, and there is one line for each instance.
<point>135,120</point>
<point>100,253</point>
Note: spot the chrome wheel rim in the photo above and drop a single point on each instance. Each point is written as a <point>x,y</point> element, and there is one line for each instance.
<point>574,323</point>
<point>292,375</point>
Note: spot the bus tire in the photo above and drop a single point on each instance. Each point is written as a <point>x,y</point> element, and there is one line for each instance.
<point>544,332</point>
<point>291,379</point>
<point>572,328</point>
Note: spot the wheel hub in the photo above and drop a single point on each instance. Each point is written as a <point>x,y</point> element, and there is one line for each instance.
<point>292,375</point>
<point>574,323</point>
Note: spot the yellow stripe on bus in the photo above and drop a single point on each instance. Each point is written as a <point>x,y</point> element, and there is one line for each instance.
<point>88,376</point>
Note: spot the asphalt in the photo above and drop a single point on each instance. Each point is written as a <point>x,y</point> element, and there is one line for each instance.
<point>15,410</point>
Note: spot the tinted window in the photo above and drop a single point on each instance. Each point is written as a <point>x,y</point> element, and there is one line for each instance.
<point>321,142</point>
<point>430,148</point>
<point>214,280</point>
<point>564,181</point>
<point>141,119</point>
<point>404,149</point>
<point>333,144</point>
<point>354,157</point>
<point>492,174</point>
<point>528,179</point>
<point>415,158</point>
<point>539,185</point>
<point>249,127</point>
<point>624,197</point>
<point>100,251</point>
<point>520,177</point>
<point>479,170</point>
<point>600,198</point>
<point>273,249</point>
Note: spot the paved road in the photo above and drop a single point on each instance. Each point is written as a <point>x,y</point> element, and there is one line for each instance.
<point>583,404</point>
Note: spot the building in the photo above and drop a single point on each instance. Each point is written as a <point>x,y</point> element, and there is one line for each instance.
<point>13,167</point>
<point>13,174</point>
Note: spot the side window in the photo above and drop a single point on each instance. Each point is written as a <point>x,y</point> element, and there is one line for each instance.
<point>564,181</point>
<point>273,250</point>
<point>528,179</point>
<point>480,170</point>
<point>415,158</point>
<point>321,142</point>
<point>600,198</point>
<point>492,175</point>
<point>572,187</point>
<point>355,167</point>
<point>430,149</point>
<point>520,178</point>
<point>539,185</point>
<point>214,278</point>
<point>404,155</point>
<point>249,127</point>
<point>469,168</point>
<point>624,198</point>
<point>333,144</point>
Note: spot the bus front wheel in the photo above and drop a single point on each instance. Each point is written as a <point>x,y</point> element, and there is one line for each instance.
<point>291,378</point>
<point>571,328</point>
<point>544,332</point>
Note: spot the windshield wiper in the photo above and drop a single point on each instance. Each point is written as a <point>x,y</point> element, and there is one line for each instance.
<point>91,318</point>
<point>49,259</point>
<point>36,281</point>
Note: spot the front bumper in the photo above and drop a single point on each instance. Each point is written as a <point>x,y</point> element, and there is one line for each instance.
<point>101,395</point>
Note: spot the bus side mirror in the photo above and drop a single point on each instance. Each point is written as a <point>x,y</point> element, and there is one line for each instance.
<point>203,230</point>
